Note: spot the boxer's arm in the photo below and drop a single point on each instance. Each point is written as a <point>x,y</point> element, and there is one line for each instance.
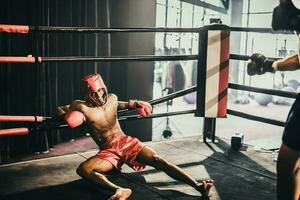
<point>131,104</point>
<point>62,110</point>
<point>287,64</point>
<point>72,114</point>
<point>143,108</point>
<point>123,105</point>
<point>74,118</point>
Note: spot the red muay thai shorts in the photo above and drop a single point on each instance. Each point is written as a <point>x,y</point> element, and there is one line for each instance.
<point>120,150</point>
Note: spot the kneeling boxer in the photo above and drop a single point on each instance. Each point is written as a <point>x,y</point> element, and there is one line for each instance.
<point>285,17</point>
<point>99,111</point>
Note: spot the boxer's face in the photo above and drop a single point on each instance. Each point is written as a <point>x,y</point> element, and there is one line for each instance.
<point>100,95</point>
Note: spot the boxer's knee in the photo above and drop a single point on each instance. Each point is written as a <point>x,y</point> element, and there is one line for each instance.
<point>80,169</point>
<point>84,169</point>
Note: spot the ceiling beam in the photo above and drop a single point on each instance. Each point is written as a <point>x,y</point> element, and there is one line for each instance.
<point>208,5</point>
<point>225,3</point>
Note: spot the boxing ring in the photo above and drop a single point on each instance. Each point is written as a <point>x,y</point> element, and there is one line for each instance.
<point>248,173</point>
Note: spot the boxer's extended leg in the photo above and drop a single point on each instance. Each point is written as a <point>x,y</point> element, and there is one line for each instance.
<point>148,156</point>
<point>94,169</point>
<point>288,175</point>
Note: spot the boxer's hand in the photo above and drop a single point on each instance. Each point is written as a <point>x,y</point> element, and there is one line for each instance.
<point>259,64</point>
<point>143,108</point>
<point>74,119</point>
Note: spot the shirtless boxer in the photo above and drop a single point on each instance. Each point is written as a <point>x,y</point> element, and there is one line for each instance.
<point>99,111</point>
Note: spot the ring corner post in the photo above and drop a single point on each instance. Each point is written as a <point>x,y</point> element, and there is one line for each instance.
<point>212,76</point>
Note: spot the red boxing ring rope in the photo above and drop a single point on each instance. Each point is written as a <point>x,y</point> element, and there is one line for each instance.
<point>14,28</point>
<point>14,131</point>
<point>15,59</point>
<point>8,118</point>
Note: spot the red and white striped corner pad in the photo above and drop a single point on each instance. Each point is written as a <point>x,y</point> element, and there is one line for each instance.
<point>217,71</point>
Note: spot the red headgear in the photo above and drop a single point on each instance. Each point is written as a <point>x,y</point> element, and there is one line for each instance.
<point>91,84</point>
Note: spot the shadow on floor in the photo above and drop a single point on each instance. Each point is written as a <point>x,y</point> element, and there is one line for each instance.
<point>82,190</point>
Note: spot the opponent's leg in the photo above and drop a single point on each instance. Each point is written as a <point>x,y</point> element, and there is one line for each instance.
<point>94,169</point>
<point>148,156</point>
<point>288,175</point>
<point>296,177</point>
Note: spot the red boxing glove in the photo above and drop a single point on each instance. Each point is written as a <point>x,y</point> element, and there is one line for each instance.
<point>74,119</point>
<point>143,108</point>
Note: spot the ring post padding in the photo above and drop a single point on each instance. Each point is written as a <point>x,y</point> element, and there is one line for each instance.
<point>213,71</point>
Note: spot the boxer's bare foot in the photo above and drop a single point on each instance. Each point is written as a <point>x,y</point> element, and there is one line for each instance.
<point>204,187</point>
<point>121,194</point>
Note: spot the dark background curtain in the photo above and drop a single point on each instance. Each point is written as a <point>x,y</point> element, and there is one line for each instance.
<point>37,89</point>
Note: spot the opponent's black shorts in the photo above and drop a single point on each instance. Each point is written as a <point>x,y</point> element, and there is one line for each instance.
<point>291,133</point>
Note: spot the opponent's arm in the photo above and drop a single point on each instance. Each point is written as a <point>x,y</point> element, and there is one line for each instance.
<point>287,64</point>
<point>259,64</point>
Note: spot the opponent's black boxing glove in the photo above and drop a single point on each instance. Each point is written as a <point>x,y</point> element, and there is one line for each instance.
<point>259,64</point>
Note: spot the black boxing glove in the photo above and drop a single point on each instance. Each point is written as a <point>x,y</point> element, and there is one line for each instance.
<point>259,64</point>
